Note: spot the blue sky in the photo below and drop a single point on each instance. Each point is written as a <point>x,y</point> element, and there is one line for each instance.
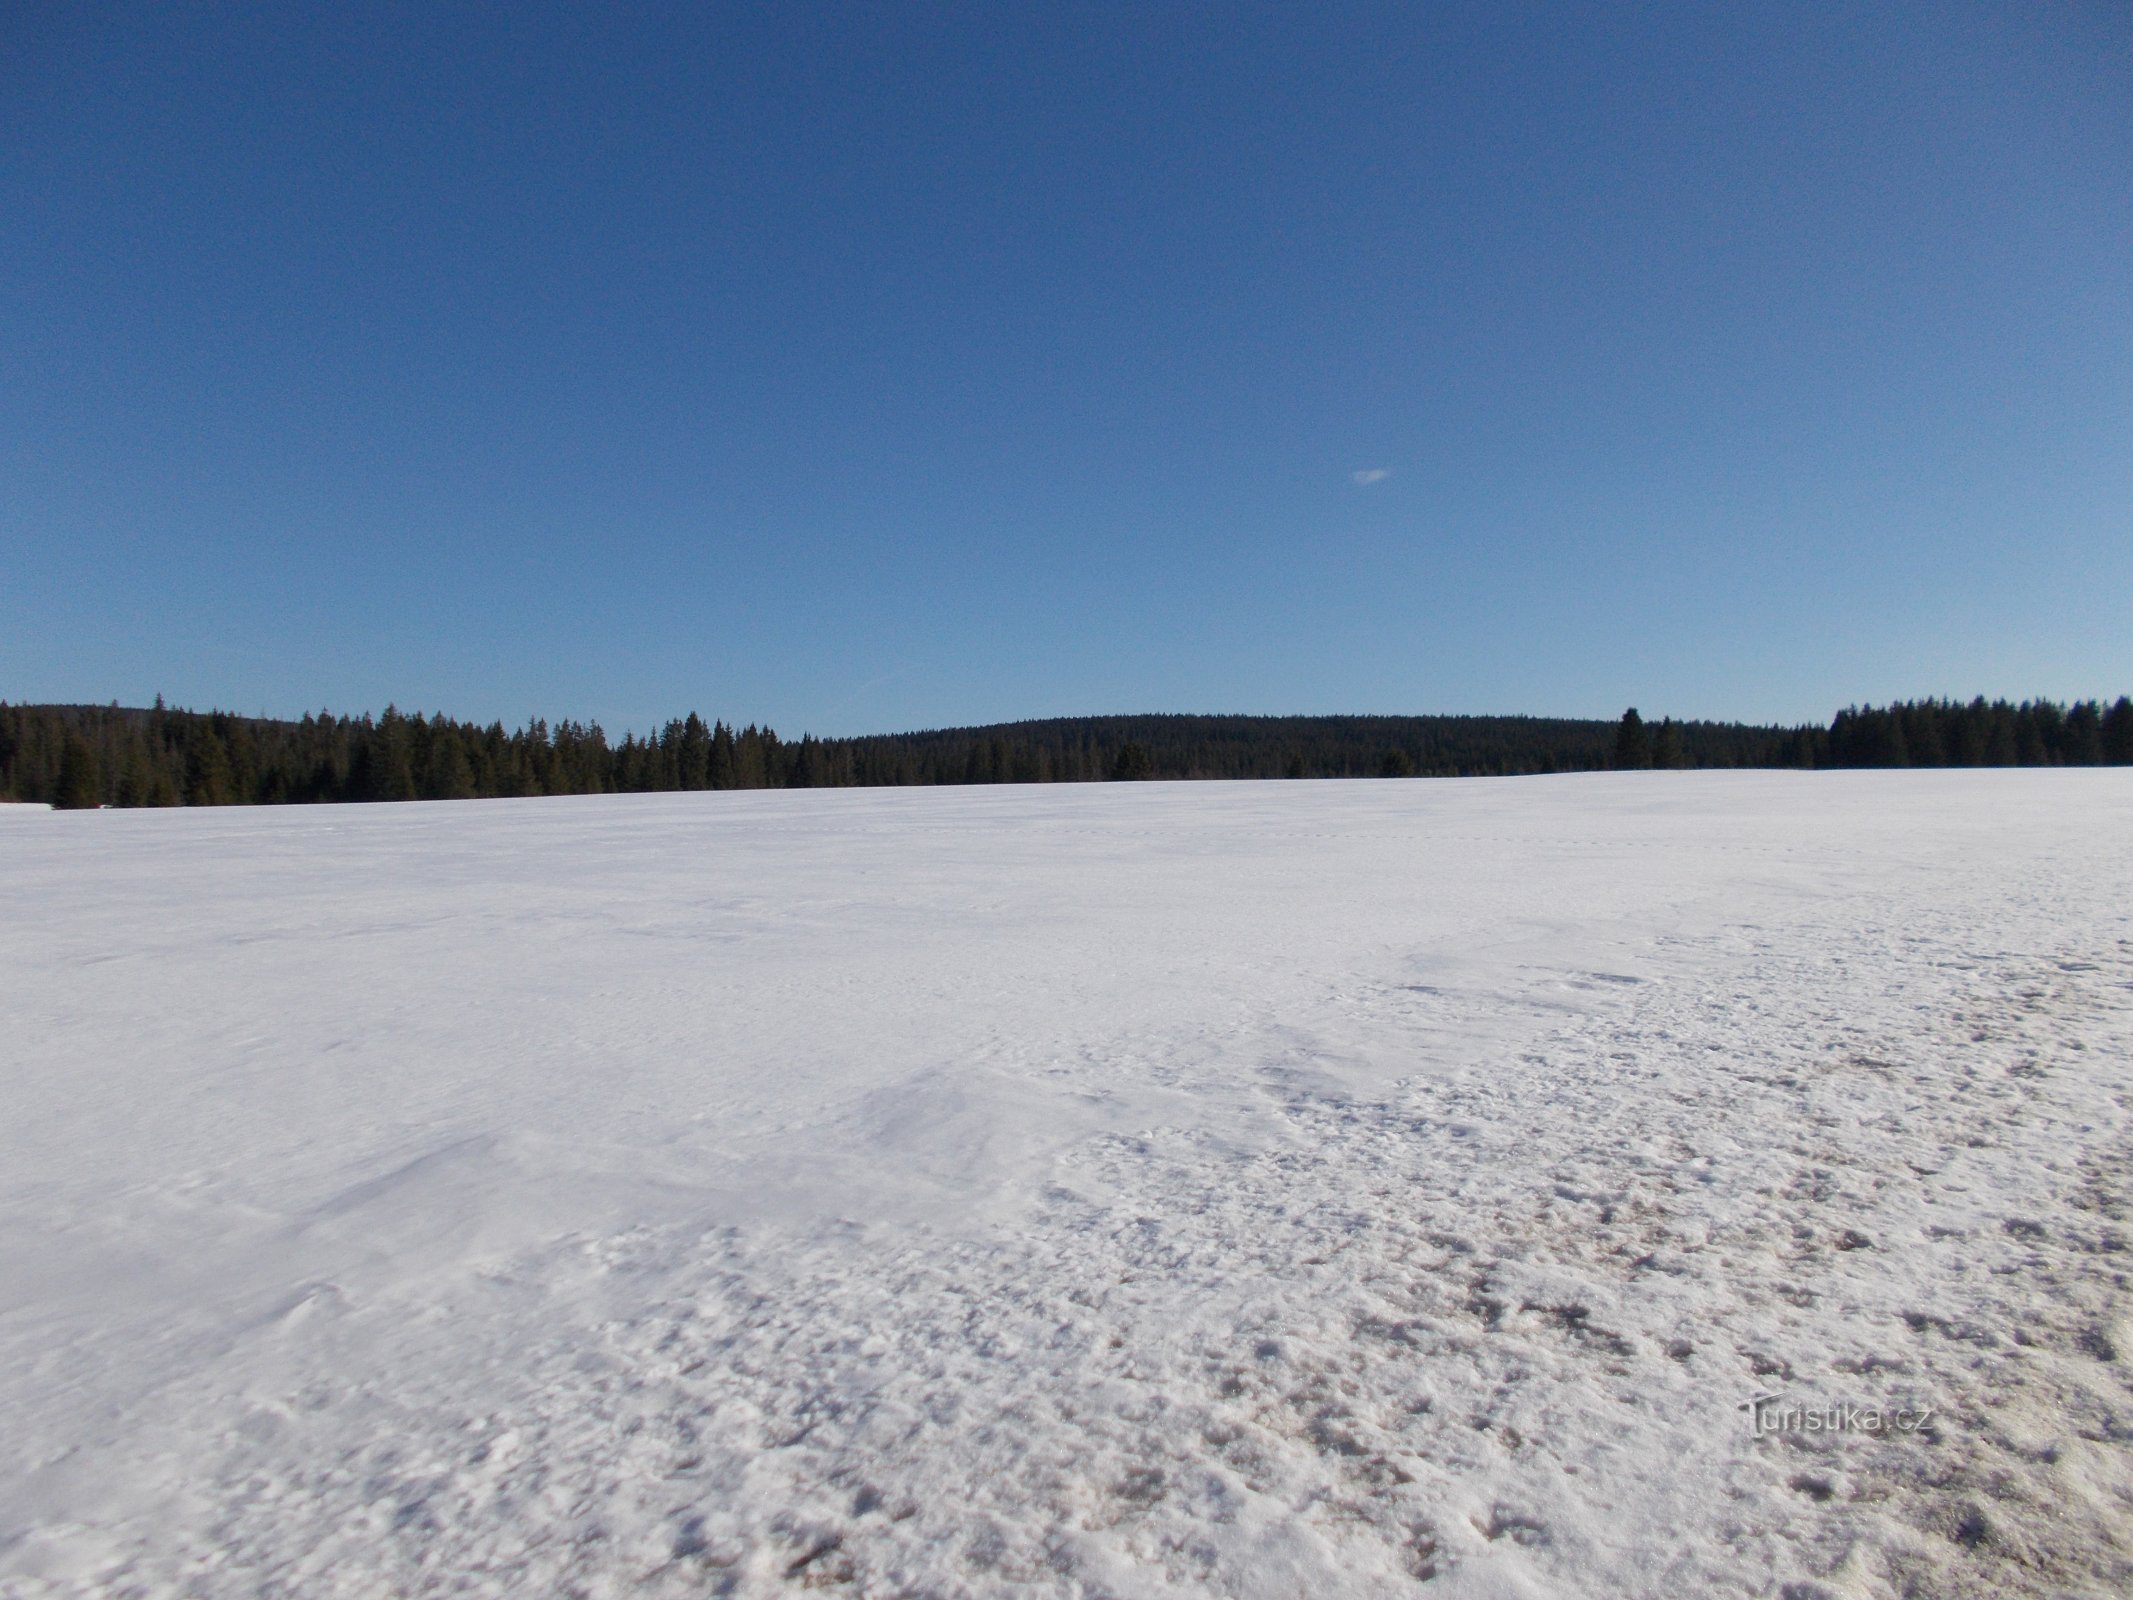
<point>867,367</point>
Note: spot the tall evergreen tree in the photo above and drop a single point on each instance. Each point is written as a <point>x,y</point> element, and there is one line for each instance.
<point>2084,734</point>
<point>2117,732</point>
<point>392,770</point>
<point>80,784</point>
<point>1632,749</point>
<point>723,767</point>
<point>693,766</point>
<point>207,768</point>
<point>449,775</point>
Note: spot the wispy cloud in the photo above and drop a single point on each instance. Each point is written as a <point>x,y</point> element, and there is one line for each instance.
<point>830,716</point>
<point>1372,475</point>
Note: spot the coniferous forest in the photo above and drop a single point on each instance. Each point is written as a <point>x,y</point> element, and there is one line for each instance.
<point>85,756</point>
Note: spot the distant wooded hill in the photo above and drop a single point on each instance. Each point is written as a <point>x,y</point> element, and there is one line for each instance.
<point>80,756</point>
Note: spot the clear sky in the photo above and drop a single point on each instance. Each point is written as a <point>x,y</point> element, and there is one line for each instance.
<point>879,366</point>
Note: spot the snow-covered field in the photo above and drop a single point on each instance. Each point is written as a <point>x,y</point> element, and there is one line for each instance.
<point>1134,1189</point>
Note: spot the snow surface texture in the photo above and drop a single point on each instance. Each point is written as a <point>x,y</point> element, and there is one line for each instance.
<point>1265,1190</point>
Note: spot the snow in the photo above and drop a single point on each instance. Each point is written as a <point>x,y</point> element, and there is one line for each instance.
<point>1135,1189</point>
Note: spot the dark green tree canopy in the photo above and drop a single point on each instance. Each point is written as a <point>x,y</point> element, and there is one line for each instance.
<point>1133,761</point>
<point>80,787</point>
<point>1632,748</point>
<point>108,755</point>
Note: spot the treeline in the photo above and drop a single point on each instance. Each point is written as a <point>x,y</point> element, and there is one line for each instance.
<point>81,756</point>
<point>1942,733</point>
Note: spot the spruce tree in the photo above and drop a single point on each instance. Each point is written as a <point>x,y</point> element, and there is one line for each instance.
<point>1133,762</point>
<point>2001,747</point>
<point>2030,749</point>
<point>1666,745</point>
<point>207,767</point>
<point>135,784</point>
<point>2118,733</point>
<point>451,775</point>
<point>2084,734</point>
<point>1632,750</point>
<point>80,785</point>
<point>695,754</point>
<point>392,774</point>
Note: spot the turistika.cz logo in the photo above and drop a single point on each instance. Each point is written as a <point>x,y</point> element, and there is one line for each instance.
<point>1773,1413</point>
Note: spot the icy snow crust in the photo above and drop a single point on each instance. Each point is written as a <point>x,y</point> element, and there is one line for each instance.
<point>1136,1190</point>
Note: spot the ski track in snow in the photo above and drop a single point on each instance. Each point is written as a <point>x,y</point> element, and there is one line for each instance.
<point>1259,1190</point>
